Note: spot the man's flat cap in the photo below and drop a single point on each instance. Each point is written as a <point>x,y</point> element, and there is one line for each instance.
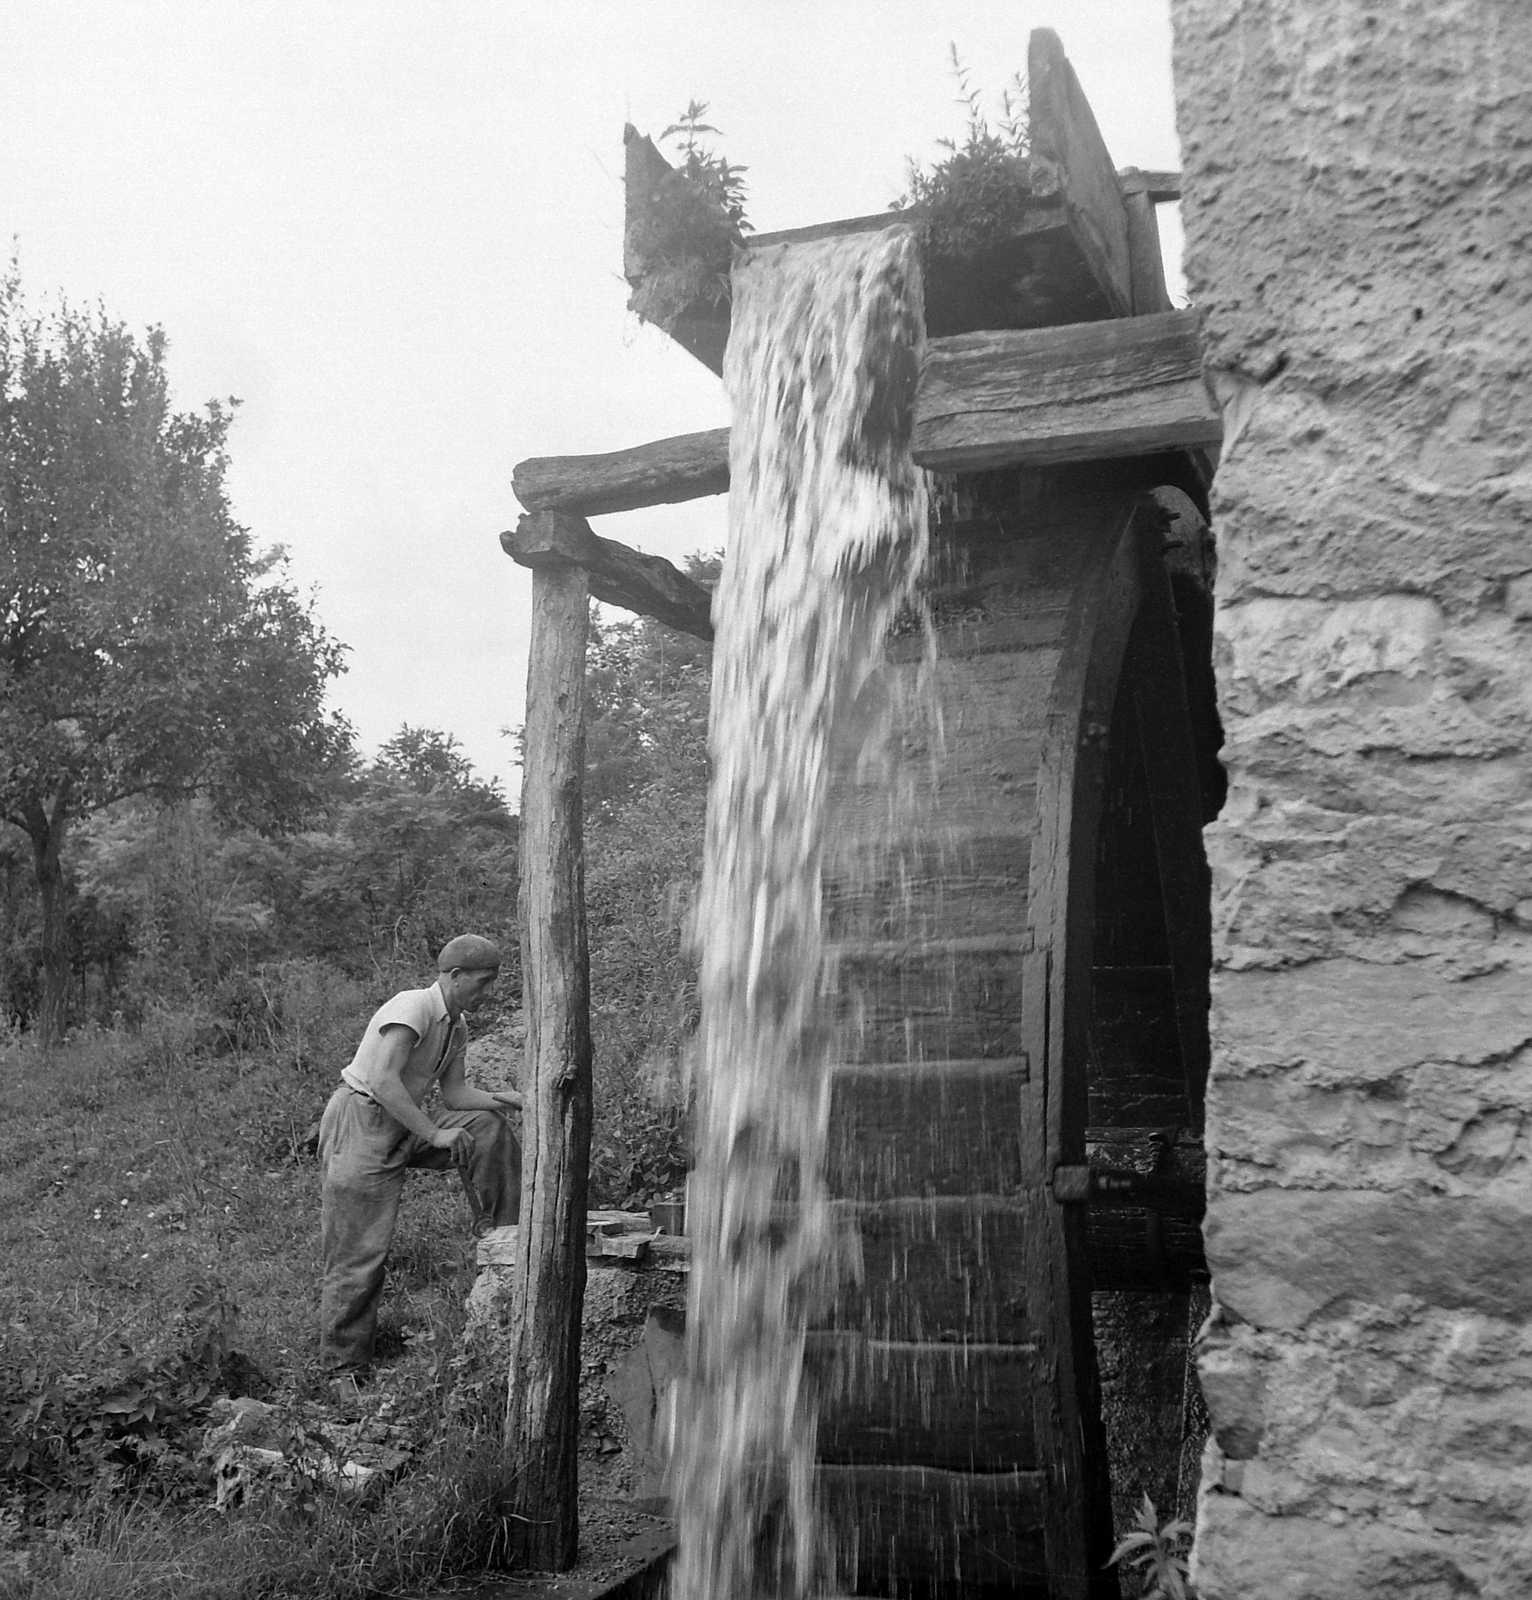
<point>470,952</point>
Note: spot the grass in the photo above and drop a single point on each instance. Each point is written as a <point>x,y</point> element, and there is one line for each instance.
<point>128,1175</point>
<point>134,1171</point>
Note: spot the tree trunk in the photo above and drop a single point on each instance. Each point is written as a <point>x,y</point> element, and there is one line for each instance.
<point>542,1416</point>
<point>47,835</point>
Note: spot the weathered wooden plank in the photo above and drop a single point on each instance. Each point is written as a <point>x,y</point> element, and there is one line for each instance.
<point>1157,186</point>
<point>930,1004</point>
<point>548,1279</point>
<point>1070,160</point>
<point>687,466</point>
<point>1094,390</point>
<point>1146,265</point>
<point>934,1128</point>
<point>692,465</point>
<point>964,1407</point>
<point>947,1268</point>
<point>995,586</point>
<point>927,887</point>
<point>920,1531</point>
<point>619,576</point>
<point>985,793</point>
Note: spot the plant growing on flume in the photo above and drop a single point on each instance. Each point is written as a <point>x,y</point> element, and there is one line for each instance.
<point>145,647</point>
<point>687,226</point>
<point>977,195</point>
<point>1158,1552</point>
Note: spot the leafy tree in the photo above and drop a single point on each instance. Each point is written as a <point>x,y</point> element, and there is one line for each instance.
<point>428,760</point>
<point>145,647</point>
<point>645,802</point>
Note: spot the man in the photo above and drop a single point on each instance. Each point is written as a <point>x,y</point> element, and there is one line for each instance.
<point>373,1130</point>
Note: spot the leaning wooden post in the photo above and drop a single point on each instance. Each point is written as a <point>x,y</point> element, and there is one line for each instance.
<point>542,1414</point>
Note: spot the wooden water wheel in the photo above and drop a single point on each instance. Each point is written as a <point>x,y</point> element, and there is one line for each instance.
<point>1019,912</point>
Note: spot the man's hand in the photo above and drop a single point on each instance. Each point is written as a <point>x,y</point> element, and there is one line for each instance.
<point>508,1099</point>
<point>458,1140</point>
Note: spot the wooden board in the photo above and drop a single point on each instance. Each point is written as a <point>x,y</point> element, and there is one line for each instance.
<point>967,1408</point>
<point>909,1530</point>
<point>666,472</point>
<point>1070,161</point>
<point>939,1128</point>
<point>689,466</point>
<point>927,888</point>
<point>937,1270</point>
<point>619,576</point>
<point>1130,387</point>
<point>950,1000</point>
<point>1157,186</point>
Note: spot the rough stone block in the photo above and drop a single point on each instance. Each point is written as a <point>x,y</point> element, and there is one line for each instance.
<point>1281,1257</point>
<point>631,1323</point>
<point>1234,1387</point>
<point>1242,1554</point>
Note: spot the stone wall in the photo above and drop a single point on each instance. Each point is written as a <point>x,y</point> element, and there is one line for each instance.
<point>1358,202</point>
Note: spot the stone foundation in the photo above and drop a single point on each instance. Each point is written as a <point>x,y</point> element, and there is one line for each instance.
<point>1357,207</point>
<point>631,1346</point>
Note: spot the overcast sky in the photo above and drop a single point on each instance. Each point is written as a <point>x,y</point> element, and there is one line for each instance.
<point>393,229</point>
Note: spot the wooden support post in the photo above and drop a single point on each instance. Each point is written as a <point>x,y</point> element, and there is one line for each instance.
<point>542,1417</point>
<point>1148,267</point>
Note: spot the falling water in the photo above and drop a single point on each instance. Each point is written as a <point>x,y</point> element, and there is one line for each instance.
<point>827,519</point>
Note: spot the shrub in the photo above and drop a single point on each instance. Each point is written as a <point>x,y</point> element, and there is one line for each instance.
<point>978,194</point>
<point>684,228</point>
<point>133,1426</point>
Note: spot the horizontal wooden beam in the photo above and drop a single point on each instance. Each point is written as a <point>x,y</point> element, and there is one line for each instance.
<point>1158,186</point>
<point>684,467</point>
<point>618,576</point>
<point>1091,391</point>
<point>1087,391</point>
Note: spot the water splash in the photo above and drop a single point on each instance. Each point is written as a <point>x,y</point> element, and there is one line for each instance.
<point>828,520</point>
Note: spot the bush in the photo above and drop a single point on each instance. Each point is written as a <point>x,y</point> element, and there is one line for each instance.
<point>303,1011</point>
<point>134,1426</point>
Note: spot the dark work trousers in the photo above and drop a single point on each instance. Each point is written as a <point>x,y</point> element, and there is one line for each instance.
<point>363,1156</point>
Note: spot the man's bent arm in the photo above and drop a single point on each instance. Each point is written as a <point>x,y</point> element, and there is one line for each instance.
<point>388,1088</point>
<point>458,1096</point>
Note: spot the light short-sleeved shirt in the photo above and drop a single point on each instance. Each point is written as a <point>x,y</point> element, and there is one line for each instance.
<point>437,1042</point>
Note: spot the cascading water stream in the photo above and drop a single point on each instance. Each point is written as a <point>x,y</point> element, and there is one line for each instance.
<point>828,531</point>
